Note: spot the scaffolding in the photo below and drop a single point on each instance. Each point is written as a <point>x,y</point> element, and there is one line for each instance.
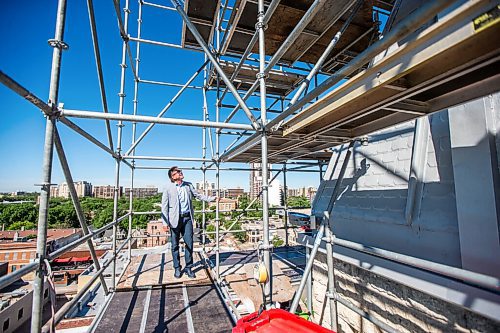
<point>320,40</point>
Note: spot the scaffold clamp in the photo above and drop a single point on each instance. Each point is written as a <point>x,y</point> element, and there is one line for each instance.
<point>58,43</point>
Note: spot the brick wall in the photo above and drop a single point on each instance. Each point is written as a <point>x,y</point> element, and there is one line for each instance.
<point>403,308</point>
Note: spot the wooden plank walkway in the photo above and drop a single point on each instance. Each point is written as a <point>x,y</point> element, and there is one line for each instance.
<point>156,270</point>
<point>188,308</point>
<point>149,299</point>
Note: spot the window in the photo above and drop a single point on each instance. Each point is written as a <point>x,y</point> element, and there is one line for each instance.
<point>14,256</point>
<point>6,325</point>
<point>13,268</point>
<point>20,313</point>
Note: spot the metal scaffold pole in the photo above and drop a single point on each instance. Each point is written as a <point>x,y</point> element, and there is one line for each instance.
<point>76,203</point>
<point>217,159</point>
<point>119,139</point>
<point>134,130</point>
<point>309,284</point>
<point>204,156</point>
<point>319,237</point>
<point>285,204</point>
<point>38,290</point>
<point>265,172</point>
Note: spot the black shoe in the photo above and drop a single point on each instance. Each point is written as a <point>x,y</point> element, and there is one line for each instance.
<point>178,273</point>
<point>190,273</point>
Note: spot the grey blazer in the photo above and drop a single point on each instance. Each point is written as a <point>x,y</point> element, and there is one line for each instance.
<point>170,207</point>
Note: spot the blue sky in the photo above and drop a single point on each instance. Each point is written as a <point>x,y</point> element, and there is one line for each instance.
<point>27,25</point>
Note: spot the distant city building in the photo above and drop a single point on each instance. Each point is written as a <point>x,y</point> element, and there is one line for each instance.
<point>275,193</point>
<point>18,247</point>
<point>308,192</point>
<point>139,236</point>
<point>256,180</point>
<point>54,191</point>
<point>141,192</point>
<point>226,204</point>
<point>105,191</point>
<point>200,186</point>
<point>160,236</point>
<point>231,193</point>
<point>83,189</point>
<point>254,231</point>
<point>17,193</point>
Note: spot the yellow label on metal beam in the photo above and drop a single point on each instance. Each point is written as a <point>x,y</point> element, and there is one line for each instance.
<point>487,19</point>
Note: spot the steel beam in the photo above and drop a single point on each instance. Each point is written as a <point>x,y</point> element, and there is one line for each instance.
<point>148,119</point>
<point>215,63</point>
<point>100,75</point>
<point>261,76</point>
<point>58,44</point>
<point>124,33</point>
<point>329,48</point>
<point>319,236</point>
<point>165,109</point>
<point>86,135</point>
<point>154,42</point>
<point>157,5</point>
<point>25,93</point>
<point>165,158</point>
<point>422,15</point>
<point>306,19</point>
<point>228,35</point>
<point>76,203</point>
<point>168,84</point>
<point>125,51</point>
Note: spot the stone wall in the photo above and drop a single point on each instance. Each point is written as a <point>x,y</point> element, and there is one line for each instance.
<point>399,306</point>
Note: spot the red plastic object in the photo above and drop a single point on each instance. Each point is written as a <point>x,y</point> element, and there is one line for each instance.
<point>276,321</point>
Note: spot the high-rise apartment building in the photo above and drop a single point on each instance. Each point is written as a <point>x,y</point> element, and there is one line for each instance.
<point>141,192</point>
<point>83,189</point>
<point>105,191</point>
<point>232,193</point>
<point>256,180</point>
<point>200,186</point>
<point>54,191</point>
<point>308,192</point>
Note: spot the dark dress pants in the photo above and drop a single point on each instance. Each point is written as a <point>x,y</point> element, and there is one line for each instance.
<point>185,230</point>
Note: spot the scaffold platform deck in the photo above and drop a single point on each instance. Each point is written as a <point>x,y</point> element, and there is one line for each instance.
<point>150,299</point>
<point>278,82</point>
<point>451,62</point>
<point>292,147</point>
<point>307,47</point>
<point>180,308</point>
<point>155,269</point>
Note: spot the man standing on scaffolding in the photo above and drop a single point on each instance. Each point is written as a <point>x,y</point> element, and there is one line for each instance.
<point>177,212</point>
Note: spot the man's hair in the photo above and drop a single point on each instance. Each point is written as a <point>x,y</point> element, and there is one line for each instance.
<point>171,171</point>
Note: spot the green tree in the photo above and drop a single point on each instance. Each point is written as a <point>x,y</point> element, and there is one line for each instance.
<point>62,214</point>
<point>277,241</point>
<point>12,213</point>
<point>243,202</point>
<point>301,201</point>
<point>20,224</point>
